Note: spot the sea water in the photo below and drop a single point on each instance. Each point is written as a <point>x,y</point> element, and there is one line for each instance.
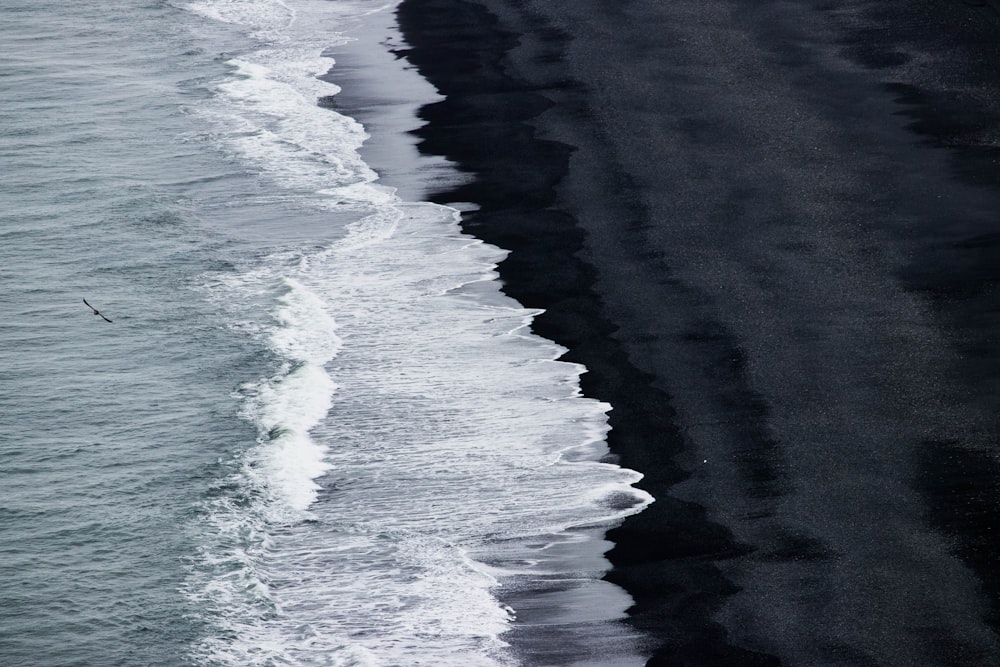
<point>315,431</point>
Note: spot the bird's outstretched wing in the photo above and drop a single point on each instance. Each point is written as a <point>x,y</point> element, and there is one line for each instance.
<point>97,312</point>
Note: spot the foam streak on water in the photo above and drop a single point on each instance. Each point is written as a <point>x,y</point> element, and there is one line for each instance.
<point>411,423</point>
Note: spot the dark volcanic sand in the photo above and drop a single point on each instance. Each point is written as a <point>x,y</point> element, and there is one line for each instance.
<point>771,232</point>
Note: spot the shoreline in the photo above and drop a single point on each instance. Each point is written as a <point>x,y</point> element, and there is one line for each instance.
<point>545,270</point>
<point>770,241</point>
<point>575,612</point>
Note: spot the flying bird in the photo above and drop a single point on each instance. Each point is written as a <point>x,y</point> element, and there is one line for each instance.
<point>97,312</point>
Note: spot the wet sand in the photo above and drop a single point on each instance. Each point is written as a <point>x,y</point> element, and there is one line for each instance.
<point>771,232</point>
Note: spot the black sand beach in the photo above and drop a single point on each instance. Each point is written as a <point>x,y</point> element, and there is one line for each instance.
<point>771,232</point>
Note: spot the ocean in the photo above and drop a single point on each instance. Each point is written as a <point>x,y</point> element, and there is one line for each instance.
<point>315,431</point>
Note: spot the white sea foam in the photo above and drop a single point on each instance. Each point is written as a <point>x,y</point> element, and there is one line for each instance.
<point>288,405</point>
<point>411,421</point>
<point>263,18</point>
<point>266,113</point>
